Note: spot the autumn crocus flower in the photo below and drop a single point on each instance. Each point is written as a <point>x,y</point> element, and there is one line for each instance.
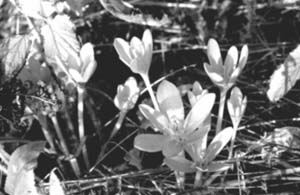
<point>176,130</point>
<point>224,75</point>
<point>87,64</point>
<point>136,54</point>
<point>127,95</point>
<point>196,93</point>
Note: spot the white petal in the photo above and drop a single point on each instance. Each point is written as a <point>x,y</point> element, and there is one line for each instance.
<point>150,142</point>
<point>244,57</point>
<point>179,163</point>
<point>122,48</point>
<point>148,44</point>
<point>199,112</point>
<point>170,102</point>
<point>76,75</point>
<point>171,148</point>
<point>86,54</point>
<point>214,53</point>
<point>216,76</point>
<point>218,143</point>
<point>159,120</point>
<point>136,48</point>
<point>230,61</point>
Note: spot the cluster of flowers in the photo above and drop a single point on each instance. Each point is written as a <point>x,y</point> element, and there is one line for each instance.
<point>176,134</point>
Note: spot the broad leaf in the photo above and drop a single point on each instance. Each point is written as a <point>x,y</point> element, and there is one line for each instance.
<point>127,12</point>
<point>218,143</point>
<point>285,77</point>
<point>13,53</point>
<point>60,42</point>
<point>20,175</point>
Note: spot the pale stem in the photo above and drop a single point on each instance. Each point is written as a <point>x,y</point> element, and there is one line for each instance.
<point>150,90</point>
<point>80,115</point>
<point>180,176</point>
<point>223,93</point>
<point>117,127</point>
<point>63,144</point>
<point>235,127</point>
<point>197,182</point>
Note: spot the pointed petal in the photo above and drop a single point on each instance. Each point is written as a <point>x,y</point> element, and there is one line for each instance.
<point>86,54</point>
<point>197,88</point>
<point>150,142</point>
<point>230,61</point>
<point>76,75</point>
<point>199,112</point>
<point>148,44</point>
<point>172,148</point>
<point>159,120</point>
<point>136,48</point>
<point>214,53</point>
<point>244,57</point>
<point>192,98</point>
<point>178,163</point>
<point>89,71</point>
<point>122,48</point>
<point>169,100</point>
<point>215,75</point>
<point>218,143</point>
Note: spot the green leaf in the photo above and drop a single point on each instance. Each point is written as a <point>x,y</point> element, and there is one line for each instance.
<point>218,143</point>
<point>150,142</point>
<point>20,175</point>
<point>13,52</point>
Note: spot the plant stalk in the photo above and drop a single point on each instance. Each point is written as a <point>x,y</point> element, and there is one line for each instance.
<point>223,93</point>
<point>198,177</point>
<point>80,115</point>
<point>150,90</point>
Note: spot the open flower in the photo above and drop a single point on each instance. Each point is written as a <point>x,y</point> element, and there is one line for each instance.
<point>203,158</point>
<point>177,131</point>
<point>224,75</point>
<point>236,106</point>
<point>87,65</point>
<point>136,54</point>
<point>127,95</point>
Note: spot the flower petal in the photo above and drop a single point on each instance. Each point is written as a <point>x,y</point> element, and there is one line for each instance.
<point>137,49</point>
<point>170,102</point>
<point>76,75</point>
<point>148,44</point>
<point>122,48</point>
<point>244,57</point>
<point>230,61</point>
<point>214,53</point>
<point>199,112</point>
<point>171,148</point>
<point>150,142</point>
<point>158,120</point>
<point>89,71</point>
<point>218,143</point>
<point>197,88</point>
<point>178,163</point>
<point>86,54</point>
<point>214,74</point>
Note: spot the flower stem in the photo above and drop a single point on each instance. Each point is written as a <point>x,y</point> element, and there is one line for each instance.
<point>235,127</point>
<point>223,93</point>
<point>150,90</point>
<point>118,124</point>
<point>197,182</point>
<point>80,115</point>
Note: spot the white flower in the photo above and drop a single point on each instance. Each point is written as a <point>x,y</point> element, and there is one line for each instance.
<point>224,75</point>
<point>127,95</point>
<point>236,106</point>
<point>136,54</point>
<point>87,65</point>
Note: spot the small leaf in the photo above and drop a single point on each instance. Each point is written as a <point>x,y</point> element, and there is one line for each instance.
<point>178,163</point>
<point>20,176</point>
<point>150,142</point>
<point>285,77</point>
<point>218,143</point>
<point>13,52</point>
<point>133,158</point>
<point>55,187</point>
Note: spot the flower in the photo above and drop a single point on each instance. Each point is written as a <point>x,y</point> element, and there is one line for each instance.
<point>87,65</point>
<point>127,95</point>
<point>224,75</point>
<point>236,106</point>
<point>136,54</point>
<point>177,131</point>
<point>196,93</point>
<point>203,158</point>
